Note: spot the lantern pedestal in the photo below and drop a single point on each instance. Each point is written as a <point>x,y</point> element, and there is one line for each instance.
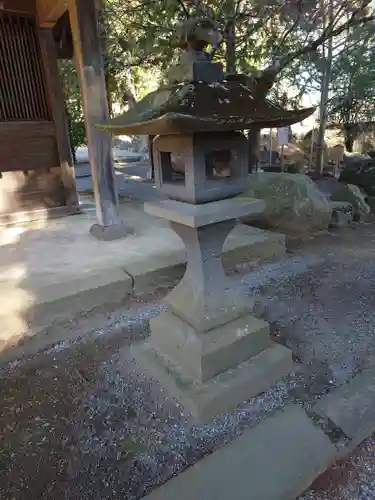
<point>112,232</point>
<point>207,349</point>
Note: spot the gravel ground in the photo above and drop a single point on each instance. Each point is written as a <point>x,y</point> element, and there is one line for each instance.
<point>80,421</point>
<point>351,479</point>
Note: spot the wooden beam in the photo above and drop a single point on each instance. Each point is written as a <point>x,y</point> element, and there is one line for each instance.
<point>26,129</point>
<point>50,11</point>
<point>56,100</point>
<point>62,35</point>
<point>90,68</point>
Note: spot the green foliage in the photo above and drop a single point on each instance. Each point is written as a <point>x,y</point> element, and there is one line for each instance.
<point>139,34</point>
<point>77,134</point>
<point>73,105</point>
<point>353,76</point>
<point>259,38</point>
<point>137,48</point>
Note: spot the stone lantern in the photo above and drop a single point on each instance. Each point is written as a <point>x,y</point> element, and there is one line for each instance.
<point>207,349</point>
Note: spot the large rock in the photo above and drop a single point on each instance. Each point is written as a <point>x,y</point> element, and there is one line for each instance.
<point>361,174</point>
<point>342,214</point>
<point>338,191</point>
<point>294,205</point>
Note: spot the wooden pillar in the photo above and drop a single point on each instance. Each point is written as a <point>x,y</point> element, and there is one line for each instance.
<point>151,155</point>
<point>56,99</point>
<point>90,68</point>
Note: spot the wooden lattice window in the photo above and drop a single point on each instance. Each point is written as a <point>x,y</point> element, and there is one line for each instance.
<point>22,87</point>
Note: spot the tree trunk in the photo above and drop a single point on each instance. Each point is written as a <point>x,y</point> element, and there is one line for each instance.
<point>326,77</point>
<point>230,55</point>
<point>350,135</point>
<point>259,88</point>
<point>351,131</point>
<point>253,136</point>
<point>108,90</point>
<point>349,142</point>
<point>322,123</point>
<point>151,156</point>
<point>103,44</point>
<point>230,36</point>
<point>129,98</point>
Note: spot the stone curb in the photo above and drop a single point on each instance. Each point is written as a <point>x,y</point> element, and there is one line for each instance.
<point>351,408</point>
<point>26,329</point>
<point>276,460</point>
<point>297,453</point>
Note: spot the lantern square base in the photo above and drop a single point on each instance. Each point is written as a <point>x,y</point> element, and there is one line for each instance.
<point>204,355</point>
<point>205,401</point>
<point>112,232</point>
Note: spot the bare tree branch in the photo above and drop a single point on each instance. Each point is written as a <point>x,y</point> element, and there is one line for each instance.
<point>266,80</point>
<point>328,33</point>
<point>292,27</point>
<point>237,9</point>
<point>184,8</point>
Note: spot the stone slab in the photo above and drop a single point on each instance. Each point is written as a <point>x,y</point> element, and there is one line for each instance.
<point>44,324</point>
<point>222,393</point>
<point>205,214</point>
<point>351,407</point>
<point>250,244</point>
<point>205,355</point>
<point>276,460</point>
<point>25,314</point>
<point>17,299</point>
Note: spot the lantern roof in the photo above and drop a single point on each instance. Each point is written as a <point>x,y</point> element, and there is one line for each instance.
<point>199,98</point>
<point>189,107</point>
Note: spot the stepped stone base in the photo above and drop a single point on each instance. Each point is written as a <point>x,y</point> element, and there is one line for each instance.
<point>222,393</point>
<point>205,355</point>
<point>110,233</point>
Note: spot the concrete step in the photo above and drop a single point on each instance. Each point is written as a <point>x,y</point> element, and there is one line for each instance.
<point>105,273</point>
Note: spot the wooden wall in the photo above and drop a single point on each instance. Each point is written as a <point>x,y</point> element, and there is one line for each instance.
<point>30,166</point>
<point>29,145</point>
<point>30,172</point>
<point>20,6</point>
<point>31,190</point>
<point>22,82</point>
